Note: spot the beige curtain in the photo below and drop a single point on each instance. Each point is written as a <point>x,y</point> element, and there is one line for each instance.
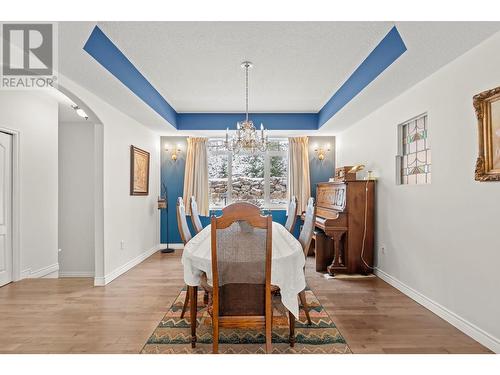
<point>299,183</point>
<point>196,175</point>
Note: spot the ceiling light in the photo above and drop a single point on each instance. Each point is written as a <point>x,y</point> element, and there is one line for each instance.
<point>80,112</point>
<point>247,137</point>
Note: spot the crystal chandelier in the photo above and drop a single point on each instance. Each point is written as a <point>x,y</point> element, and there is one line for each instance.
<point>246,137</point>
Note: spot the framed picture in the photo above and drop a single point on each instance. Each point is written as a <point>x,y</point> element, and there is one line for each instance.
<point>487,106</point>
<point>139,171</point>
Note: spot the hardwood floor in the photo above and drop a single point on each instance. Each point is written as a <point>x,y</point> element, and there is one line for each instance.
<point>374,317</point>
<point>73,316</point>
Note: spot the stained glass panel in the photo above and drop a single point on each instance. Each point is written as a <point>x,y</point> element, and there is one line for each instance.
<point>415,154</point>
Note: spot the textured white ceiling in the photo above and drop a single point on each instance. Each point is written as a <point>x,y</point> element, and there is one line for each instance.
<point>298,65</point>
<point>197,65</point>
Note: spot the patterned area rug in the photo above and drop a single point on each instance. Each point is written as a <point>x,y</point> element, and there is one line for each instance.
<point>173,334</point>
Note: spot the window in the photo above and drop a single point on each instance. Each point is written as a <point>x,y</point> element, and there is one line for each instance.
<point>260,178</point>
<point>414,159</point>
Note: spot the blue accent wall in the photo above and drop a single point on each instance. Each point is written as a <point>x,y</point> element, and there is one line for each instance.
<point>386,52</point>
<point>271,121</point>
<point>321,170</point>
<point>106,53</point>
<point>172,175</point>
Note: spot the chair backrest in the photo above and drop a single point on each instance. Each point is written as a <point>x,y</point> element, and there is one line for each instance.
<point>307,231</point>
<point>241,261</point>
<point>292,215</point>
<point>182,222</point>
<point>195,216</point>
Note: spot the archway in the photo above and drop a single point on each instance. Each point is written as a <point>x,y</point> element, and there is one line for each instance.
<point>81,211</point>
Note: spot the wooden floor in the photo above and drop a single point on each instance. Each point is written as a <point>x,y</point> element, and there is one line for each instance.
<point>72,316</point>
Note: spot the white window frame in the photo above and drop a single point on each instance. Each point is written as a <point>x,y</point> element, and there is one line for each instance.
<point>267,174</point>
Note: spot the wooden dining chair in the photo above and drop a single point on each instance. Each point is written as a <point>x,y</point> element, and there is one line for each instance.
<point>195,215</point>
<point>241,242</point>
<point>292,215</point>
<point>305,238</point>
<point>185,237</point>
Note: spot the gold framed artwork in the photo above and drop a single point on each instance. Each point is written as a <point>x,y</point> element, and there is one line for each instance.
<point>139,171</point>
<point>487,106</point>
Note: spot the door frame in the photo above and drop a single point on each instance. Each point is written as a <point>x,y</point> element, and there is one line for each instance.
<point>16,204</point>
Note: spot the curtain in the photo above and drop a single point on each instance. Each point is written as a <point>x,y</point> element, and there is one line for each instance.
<point>299,183</point>
<point>196,175</point>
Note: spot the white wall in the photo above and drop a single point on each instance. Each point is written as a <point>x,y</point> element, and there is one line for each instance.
<point>76,199</point>
<point>132,219</point>
<point>34,115</point>
<point>441,239</point>
<point>121,217</point>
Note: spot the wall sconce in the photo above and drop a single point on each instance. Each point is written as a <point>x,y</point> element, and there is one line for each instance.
<point>174,151</point>
<point>321,151</point>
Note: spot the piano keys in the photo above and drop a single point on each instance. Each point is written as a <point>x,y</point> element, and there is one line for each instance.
<point>345,226</point>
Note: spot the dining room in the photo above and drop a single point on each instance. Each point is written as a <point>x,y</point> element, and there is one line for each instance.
<point>342,213</point>
<point>238,187</point>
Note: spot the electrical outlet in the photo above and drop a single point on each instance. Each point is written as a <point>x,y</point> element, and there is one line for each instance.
<point>382,249</point>
<point>122,245</point>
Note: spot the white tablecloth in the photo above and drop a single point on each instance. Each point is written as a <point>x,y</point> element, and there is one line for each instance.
<point>287,270</point>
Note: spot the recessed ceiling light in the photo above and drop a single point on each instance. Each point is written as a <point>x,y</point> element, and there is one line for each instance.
<point>80,112</point>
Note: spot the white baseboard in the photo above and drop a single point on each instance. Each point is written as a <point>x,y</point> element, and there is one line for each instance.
<point>49,271</point>
<point>25,274</point>
<point>101,281</point>
<point>470,329</point>
<point>76,274</point>
<point>52,275</point>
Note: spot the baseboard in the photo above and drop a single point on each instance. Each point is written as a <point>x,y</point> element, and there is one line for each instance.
<point>44,271</point>
<point>470,329</point>
<point>51,275</point>
<point>101,281</point>
<point>25,274</point>
<point>76,274</point>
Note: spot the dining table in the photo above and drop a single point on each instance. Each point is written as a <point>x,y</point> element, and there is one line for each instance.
<point>287,268</point>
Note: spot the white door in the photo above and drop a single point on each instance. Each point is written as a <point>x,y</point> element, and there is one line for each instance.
<point>5,208</point>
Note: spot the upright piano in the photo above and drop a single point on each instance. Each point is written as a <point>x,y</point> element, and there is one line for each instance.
<point>345,226</point>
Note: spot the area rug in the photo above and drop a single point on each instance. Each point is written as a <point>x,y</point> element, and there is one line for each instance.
<point>173,334</point>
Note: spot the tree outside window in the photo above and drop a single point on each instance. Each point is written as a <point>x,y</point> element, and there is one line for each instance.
<point>259,178</point>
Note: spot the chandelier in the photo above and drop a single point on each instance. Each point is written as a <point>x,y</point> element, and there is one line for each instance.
<point>246,138</point>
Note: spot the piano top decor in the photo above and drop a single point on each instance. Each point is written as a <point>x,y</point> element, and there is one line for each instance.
<point>342,174</point>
